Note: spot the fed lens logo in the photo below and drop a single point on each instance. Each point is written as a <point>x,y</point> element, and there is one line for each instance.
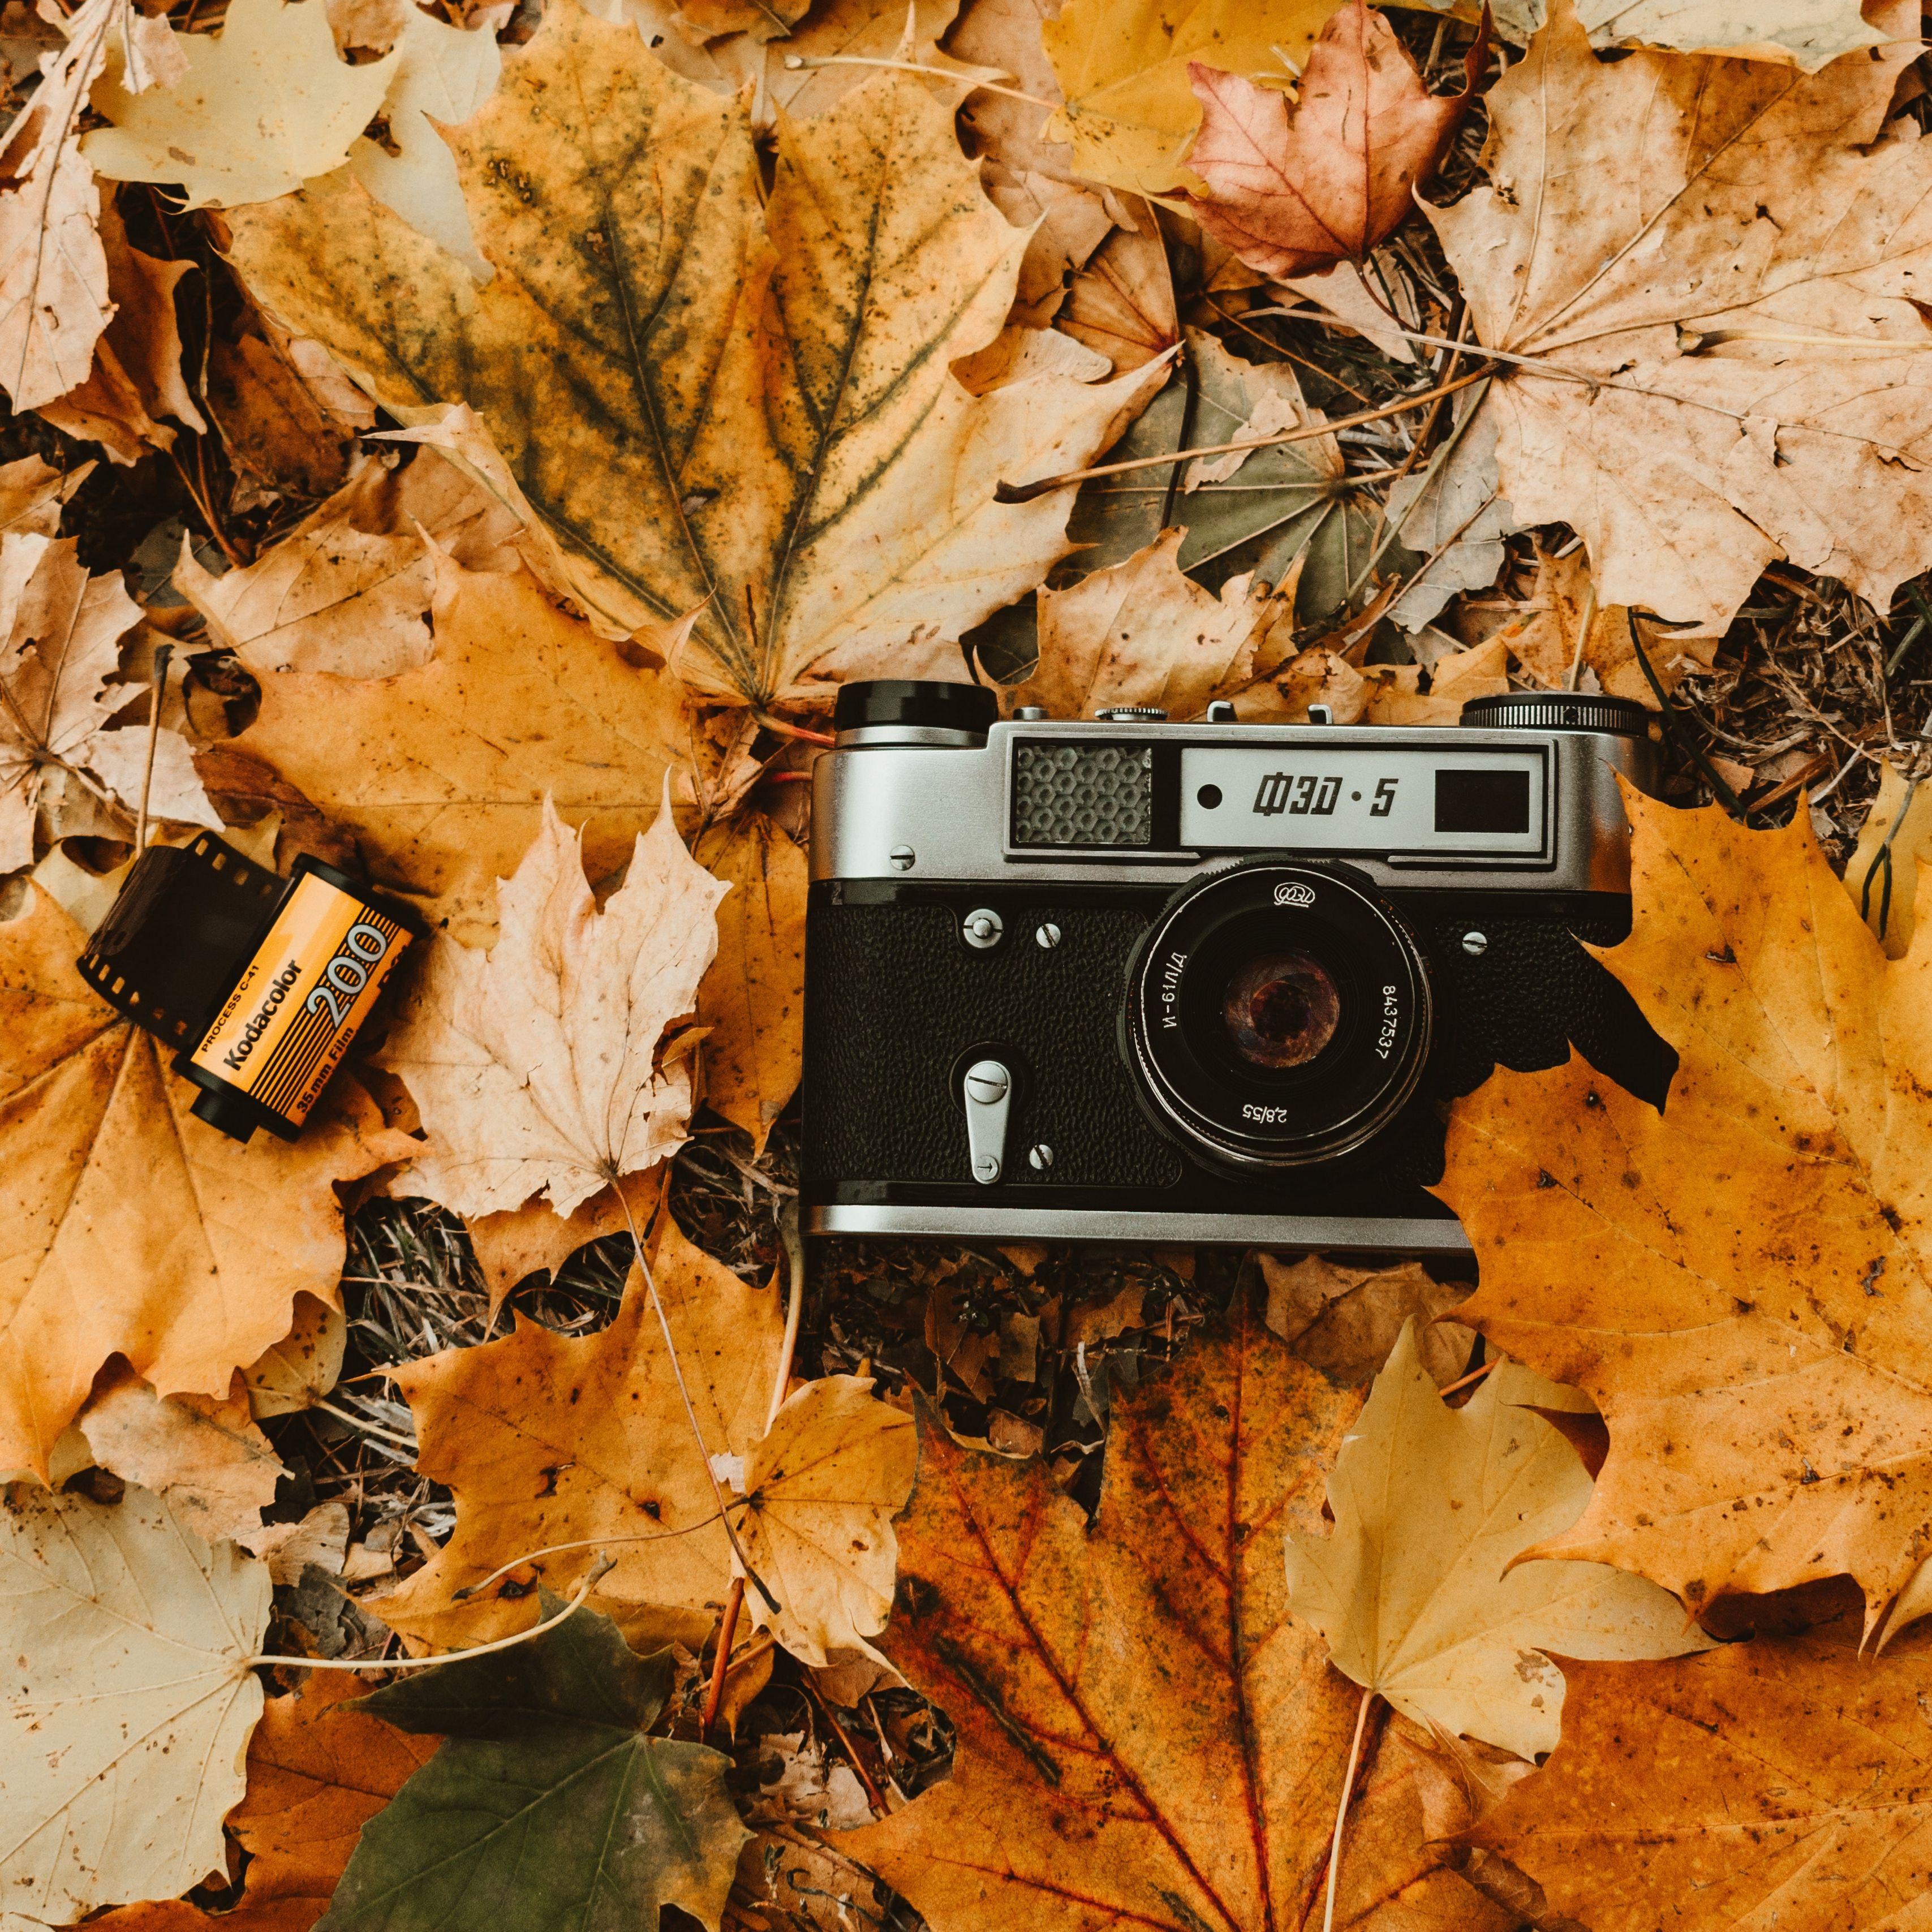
<point>1293,892</point>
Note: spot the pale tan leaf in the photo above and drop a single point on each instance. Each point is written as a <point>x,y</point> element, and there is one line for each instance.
<point>534,1065</point>
<point>1394,695</point>
<point>445,74</point>
<point>534,1239</point>
<point>263,106</point>
<point>33,493</point>
<point>54,303</point>
<point>1344,293</point>
<point>202,1455</point>
<point>130,1701</point>
<point>1895,840</point>
<point>779,445</point>
<point>1733,249</point>
<point>1344,1320</point>
<point>821,1489</point>
<point>287,1376</point>
<point>1413,1590</point>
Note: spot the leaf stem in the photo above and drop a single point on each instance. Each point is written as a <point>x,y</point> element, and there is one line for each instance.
<point>1025,492</point>
<point>799,64</point>
<point>690,1409</point>
<point>728,1623</point>
<point>576,1603</point>
<point>163,653</point>
<point>470,1590</point>
<point>1341,1811</point>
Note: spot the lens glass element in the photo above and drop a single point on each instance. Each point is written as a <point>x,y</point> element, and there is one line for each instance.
<point>1281,1008</point>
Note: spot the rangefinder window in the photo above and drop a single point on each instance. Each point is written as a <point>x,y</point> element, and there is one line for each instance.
<point>1482,801</point>
<point>1081,793</point>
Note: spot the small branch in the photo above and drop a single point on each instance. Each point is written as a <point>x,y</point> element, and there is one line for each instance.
<point>1341,1811</point>
<point>368,1427</point>
<point>721,1662</point>
<point>1026,493</point>
<point>162,653</point>
<point>802,732</point>
<point>1474,1375</point>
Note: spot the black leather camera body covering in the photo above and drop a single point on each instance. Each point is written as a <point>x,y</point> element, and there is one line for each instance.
<point>917,977</point>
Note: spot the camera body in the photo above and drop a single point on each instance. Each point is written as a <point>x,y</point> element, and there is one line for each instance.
<point>1123,979</point>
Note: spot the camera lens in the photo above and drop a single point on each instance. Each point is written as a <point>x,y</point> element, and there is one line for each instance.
<point>1281,1010</point>
<point>1277,1014</point>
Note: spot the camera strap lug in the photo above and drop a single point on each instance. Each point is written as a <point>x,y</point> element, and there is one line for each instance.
<point>989,1092</point>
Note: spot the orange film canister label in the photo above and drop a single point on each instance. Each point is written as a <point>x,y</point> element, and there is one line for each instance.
<point>284,1029</point>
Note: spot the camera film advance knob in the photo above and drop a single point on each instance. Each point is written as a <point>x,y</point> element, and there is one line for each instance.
<point>988,1091</point>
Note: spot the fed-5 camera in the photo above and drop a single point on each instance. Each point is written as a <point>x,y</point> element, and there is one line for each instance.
<point>1123,979</point>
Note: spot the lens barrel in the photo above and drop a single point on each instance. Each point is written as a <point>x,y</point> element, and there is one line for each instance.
<point>1277,1014</point>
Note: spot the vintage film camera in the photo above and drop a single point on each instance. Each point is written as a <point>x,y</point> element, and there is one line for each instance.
<point>1123,979</point>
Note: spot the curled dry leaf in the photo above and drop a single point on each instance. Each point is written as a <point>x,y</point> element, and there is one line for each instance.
<point>54,303</point>
<point>60,634</point>
<point>1344,1320</point>
<point>821,1488</point>
<point>287,1376</point>
<point>136,1229</point>
<point>1883,875</point>
<point>262,106</point>
<point>203,1457</point>
<point>1809,34</point>
<point>1740,1282</point>
<point>752,999</point>
<point>1122,66</point>
<point>1731,247</point>
<point>130,1700</point>
<point>1146,1737</point>
<point>779,446</point>
<point>1292,189</point>
<point>441,772</point>
<point>1413,1590</point>
<point>535,1065</point>
<point>1781,1781</point>
<point>549,1804</point>
<point>547,1439</point>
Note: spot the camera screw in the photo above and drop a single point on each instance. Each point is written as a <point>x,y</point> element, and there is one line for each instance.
<point>1041,1158</point>
<point>1049,937</point>
<point>983,927</point>
<point>1475,944</point>
<point>902,858</point>
<point>1030,714</point>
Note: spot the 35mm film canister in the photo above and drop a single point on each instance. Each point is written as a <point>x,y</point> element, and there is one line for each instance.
<point>300,1001</point>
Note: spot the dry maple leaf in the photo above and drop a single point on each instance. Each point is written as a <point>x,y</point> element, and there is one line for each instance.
<point>261,107</point>
<point>1414,1589</point>
<point>1142,633</point>
<point>1729,247</point>
<point>134,1228</point>
<point>544,1439</point>
<point>821,1487</point>
<point>442,771</point>
<point>1145,1735</point>
<point>203,1456</point>
<point>752,1000</point>
<point>1344,1320</point>
<point>1292,189</point>
<point>535,1065</point>
<point>777,442</point>
<point>54,301</point>
<point>1780,1782</point>
<point>1882,874</point>
<point>1740,1283</point>
<point>60,634</point>
<point>1122,66</point>
<point>130,1700</point>
<point>1802,33</point>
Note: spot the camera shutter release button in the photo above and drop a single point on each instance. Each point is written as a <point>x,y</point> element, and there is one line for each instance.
<point>987,1089</point>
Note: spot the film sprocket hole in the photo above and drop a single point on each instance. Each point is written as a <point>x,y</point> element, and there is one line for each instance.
<point>1278,950</point>
<point>260,983</point>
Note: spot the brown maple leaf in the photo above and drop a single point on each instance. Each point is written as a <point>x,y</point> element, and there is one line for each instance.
<point>1295,190</point>
<point>1146,1737</point>
<point>1743,1282</point>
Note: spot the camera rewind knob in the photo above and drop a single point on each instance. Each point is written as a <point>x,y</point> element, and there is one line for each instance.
<point>1132,714</point>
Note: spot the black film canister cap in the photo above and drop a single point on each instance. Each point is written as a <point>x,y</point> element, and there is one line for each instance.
<point>904,700</point>
<point>1557,711</point>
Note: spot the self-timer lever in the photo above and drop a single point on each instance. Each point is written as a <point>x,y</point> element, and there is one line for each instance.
<point>261,982</point>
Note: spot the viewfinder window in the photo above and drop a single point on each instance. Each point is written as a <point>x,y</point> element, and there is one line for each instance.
<point>1482,801</point>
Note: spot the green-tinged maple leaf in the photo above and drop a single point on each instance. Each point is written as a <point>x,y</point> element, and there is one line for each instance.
<point>547,1809</point>
<point>713,404</point>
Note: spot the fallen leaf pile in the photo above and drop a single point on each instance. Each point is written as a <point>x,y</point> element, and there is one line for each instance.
<point>471,445</point>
